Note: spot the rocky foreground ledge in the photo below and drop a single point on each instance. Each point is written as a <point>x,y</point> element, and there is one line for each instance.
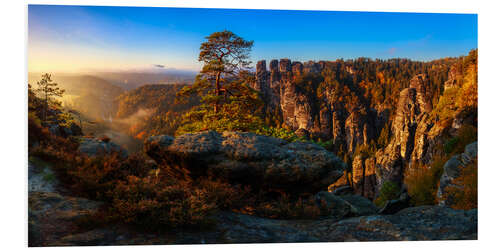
<point>249,159</point>
<point>260,161</point>
<point>417,223</point>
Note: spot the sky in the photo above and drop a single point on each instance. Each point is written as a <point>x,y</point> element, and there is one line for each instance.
<point>96,38</point>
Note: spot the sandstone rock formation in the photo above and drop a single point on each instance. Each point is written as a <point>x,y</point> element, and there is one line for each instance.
<point>396,205</point>
<point>72,130</point>
<point>51,215</point>
<point>94,147</point>
<point>417,223</point>
<point>40,177</point>
<point>346,205</point>
<point>363,178</point>
<point>413,133</point>
<point>351,125</point>
<point>249,159</point>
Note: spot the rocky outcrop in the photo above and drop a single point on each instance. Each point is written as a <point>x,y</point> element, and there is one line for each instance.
<point>342,206</point>
<point>40,177</point>
<point>51,215</point>
<point>95,147</point>
<point>65,131</point>
<point>296,108</point>
<point>358,130</point>
<point>53,221</point>
<point>363,178</point>
<point>249,159</point>
<point>452,78</point>
<point>412,133</point>
<point>325,118</point>
<point>396,205</point>
<point>417,223</point>
<point>452,169</point>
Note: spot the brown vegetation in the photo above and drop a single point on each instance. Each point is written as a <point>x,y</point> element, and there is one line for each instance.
<point>422,181</point>
<point>463,191</point>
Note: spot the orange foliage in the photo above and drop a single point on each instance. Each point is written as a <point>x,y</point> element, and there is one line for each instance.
<point>140,135</point>
<point>422,181</point>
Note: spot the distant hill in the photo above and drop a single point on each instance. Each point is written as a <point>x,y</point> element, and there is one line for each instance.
<point>132,80</point>
<point>124,101</point>
<point>91,95</point>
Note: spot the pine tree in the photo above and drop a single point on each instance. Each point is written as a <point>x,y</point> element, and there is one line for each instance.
<point>48,89</point>
<point>227,102</point>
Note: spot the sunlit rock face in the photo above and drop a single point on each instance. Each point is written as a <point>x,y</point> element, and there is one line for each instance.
<point>326,118</point>
<point>414,133</point>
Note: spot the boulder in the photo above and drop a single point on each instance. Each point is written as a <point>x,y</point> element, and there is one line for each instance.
<point>65,131</point>
<point>248,159</point>
<point>342,190</point>
<point>342,206</point>
<point>40,177</point>
<point>95,147</point>
<point>415,223</point>
<point>394,206</point>
<point>51,216</point>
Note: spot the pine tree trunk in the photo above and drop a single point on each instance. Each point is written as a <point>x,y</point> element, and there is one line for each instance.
<point>217,92</point>
<point>46,107</point>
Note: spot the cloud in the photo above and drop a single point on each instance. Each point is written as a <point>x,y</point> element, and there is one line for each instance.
<point>159,66</point>
<point>392,50</point>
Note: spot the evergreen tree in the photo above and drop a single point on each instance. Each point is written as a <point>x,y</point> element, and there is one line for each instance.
<point>227,102</point>
<point>47,90</point>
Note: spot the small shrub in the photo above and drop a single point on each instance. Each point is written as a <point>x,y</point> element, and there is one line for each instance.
<point>281,133</point>
<point>154,204</point>
<point>456,145</point>
<point>389,191</point>
<point>288,208</point>
<point>422,182</point>
<point>290,136</point>
<point>227,196</point>
<point>328,145</point>
<point>451,145</point>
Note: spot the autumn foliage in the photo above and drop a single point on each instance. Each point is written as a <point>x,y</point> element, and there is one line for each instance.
<point>463,191</point>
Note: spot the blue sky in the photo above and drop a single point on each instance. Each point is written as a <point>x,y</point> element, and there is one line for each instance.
<point>79,38</point>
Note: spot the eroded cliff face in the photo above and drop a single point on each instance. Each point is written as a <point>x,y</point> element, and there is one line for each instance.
<point>348,125</point>
<point>325,117</point>
<point>414,133</point>
<point>351,121</point>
